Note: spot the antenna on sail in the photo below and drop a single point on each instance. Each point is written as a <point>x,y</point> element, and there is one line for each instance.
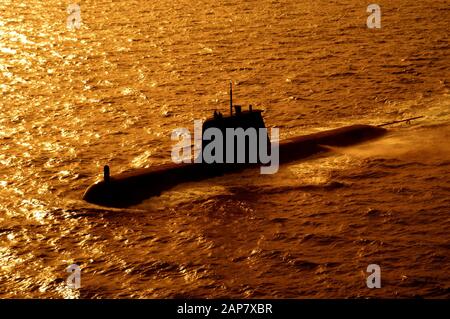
<point>231,97</point>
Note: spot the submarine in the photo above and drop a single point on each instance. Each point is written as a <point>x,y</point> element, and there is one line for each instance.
<point>131,188</point>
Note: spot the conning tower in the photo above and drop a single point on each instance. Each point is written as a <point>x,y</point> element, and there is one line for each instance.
<point>240,126</point>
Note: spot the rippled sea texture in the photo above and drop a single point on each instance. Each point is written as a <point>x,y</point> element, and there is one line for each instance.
<point>112,91</point>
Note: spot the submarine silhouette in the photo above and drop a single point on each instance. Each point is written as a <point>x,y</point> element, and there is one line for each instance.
<point>131,188</point>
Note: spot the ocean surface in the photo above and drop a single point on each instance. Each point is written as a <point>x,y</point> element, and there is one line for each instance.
<point>112,91</point>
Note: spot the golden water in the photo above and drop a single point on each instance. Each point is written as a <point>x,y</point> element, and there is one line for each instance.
<point>112,91</point>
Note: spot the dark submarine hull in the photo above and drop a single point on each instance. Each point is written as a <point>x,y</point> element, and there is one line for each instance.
<point>131,188</point>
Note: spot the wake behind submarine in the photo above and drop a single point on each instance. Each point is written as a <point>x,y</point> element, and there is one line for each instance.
<point>131,188</point>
